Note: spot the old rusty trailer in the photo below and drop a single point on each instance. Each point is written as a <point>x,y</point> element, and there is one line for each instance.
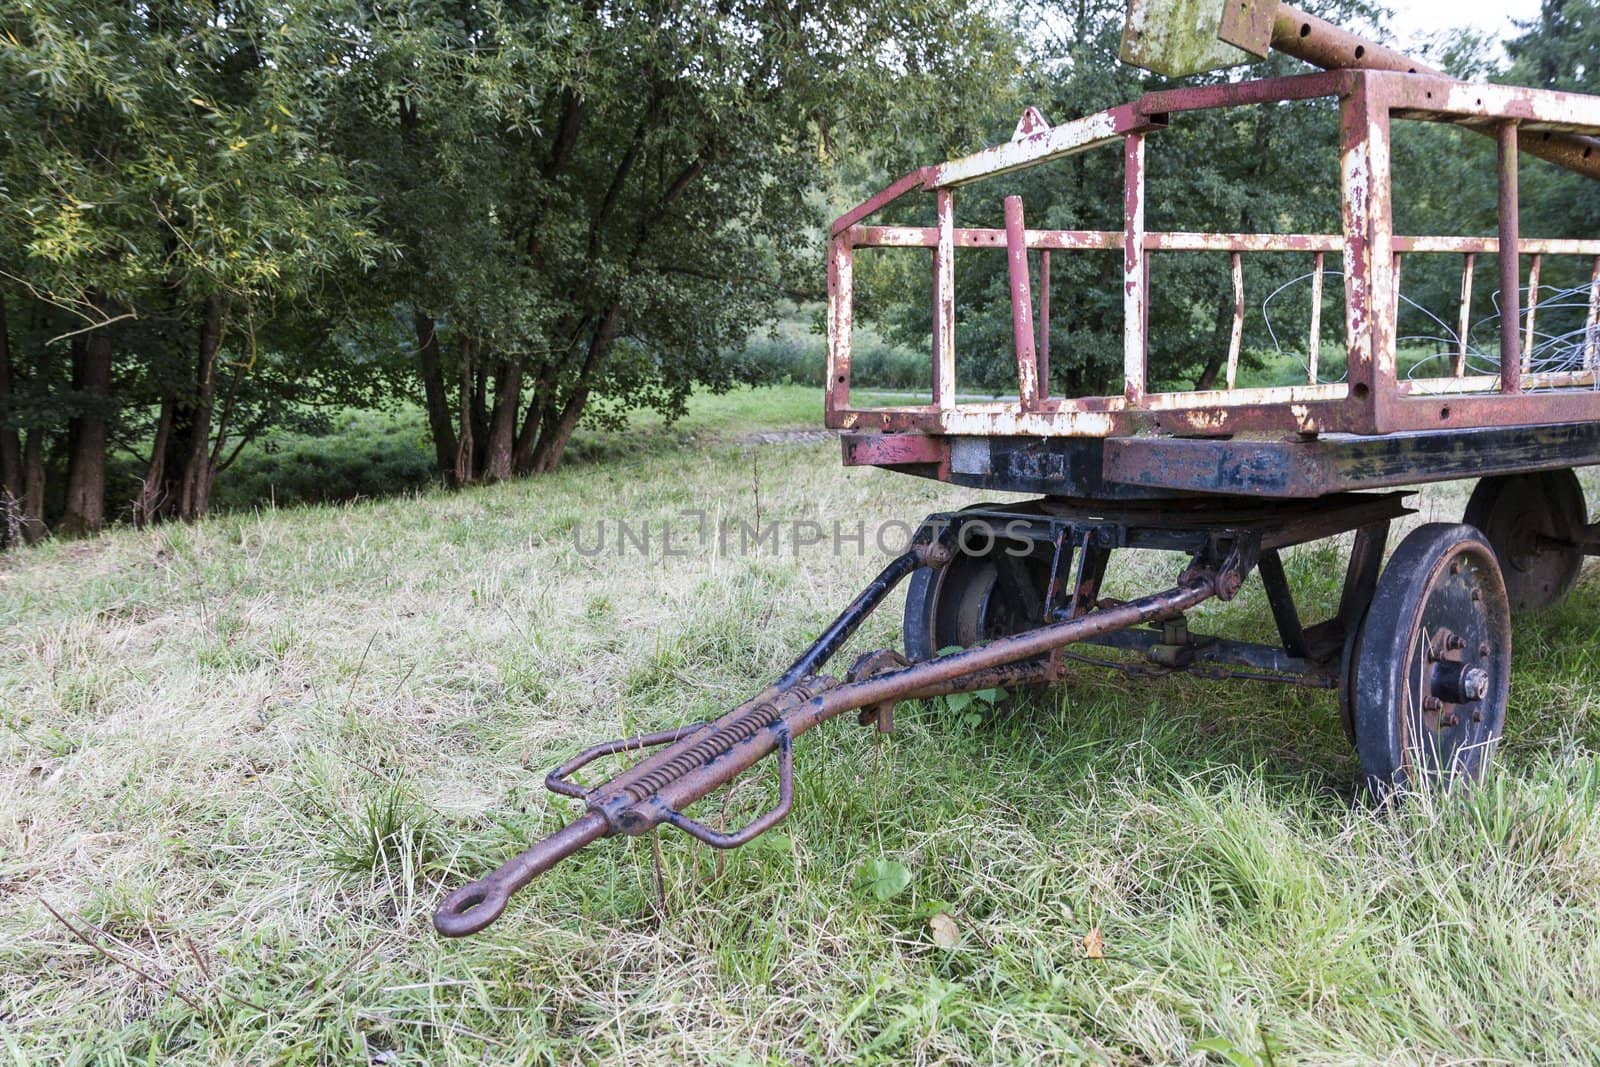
<point>1418,649</point>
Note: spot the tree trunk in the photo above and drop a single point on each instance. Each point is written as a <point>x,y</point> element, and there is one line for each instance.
<point>33,527</point>
<point>178,482</point>
<point>85,510</point>
<point>10,444</point>
<point>557,432</point>
<point>464,471</point>
<point>152,490</point>
<point>1218,349</point>
<point>480,413</point>
<point>197,470</point>
<point>528,436</point>
<point>499,459</point>
<point>430,367</point>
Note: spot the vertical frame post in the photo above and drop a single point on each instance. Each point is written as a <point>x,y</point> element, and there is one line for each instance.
<point>1464,323</point>
<point>841,286</point>
<point>1368,264</point>
<point>1021,303</point>
<point>1236,336</point>
<point>1510,267</point>
<point>1533,306</point>
<point>944,302</point>
<point>1314,338</point>
<point>1044,323</point>
<point>1134,278</point>
<point>1591,326</point>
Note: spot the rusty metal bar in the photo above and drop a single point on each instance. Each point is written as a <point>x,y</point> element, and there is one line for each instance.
<point>557,780</point>
<point>1179,241</point>
<point>1314,340</point>
<point>1510,269</point>
<point>878,201</point>
<point>848,620</point>
<point>1021,304</point>
<point>1382,287</point>
<point>1394,265</point>
<point>1356,175</point>
<point>1050,143</point>
<point>1237,94</point>
<point>944,302</point>
<point>1533,306</point>
<point>1491,245</point>
<point>1464,323</point>
<point>1044,324</point>
<point>1322,44</point>
<point>1236,337</point>
<point>1134,297</point>
<point>841,285</point>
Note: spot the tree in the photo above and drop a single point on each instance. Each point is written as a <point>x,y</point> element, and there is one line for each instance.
<point>598,202</point>
<point>1559,50</point>
<point>169,201</point>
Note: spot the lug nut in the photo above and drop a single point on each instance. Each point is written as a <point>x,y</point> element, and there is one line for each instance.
<point>1431,703</point>
<point>1455,642</point>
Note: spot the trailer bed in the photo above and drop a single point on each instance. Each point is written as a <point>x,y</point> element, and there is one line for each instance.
<point>1293,467</point>
<point>1468,410</point>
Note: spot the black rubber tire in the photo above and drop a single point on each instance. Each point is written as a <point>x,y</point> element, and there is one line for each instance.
<point>1443,582</point>
<point>961,604</point>
<point>1520,515</point>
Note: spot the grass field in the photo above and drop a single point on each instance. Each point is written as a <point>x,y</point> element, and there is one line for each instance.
<point>242,760</point>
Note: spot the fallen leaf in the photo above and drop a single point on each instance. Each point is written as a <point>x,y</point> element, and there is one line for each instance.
<point>946,934</point>
<point>1094,945</point>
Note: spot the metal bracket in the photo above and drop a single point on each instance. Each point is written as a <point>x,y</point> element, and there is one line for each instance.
<point>762,823</point>
<point>556,780</point>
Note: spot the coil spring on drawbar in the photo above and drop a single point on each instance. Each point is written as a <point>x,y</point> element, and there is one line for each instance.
<point>744,727</point>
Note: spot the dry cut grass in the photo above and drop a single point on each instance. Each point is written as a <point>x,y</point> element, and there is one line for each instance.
<point>242,760</point>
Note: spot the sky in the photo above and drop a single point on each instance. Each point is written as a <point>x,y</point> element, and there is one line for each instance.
<point>1418,18</point>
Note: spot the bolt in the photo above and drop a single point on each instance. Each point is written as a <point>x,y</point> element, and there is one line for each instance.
<point>1483,649</point>
<point>1448,720</point>
<point>1455,642</point>
<point>1477,594</point>
<point>1431,703</point>
<point>1474,683</point>
<point>1477,715</point>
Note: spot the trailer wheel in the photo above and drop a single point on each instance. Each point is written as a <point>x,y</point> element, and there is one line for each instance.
<point>972,599</point>
<point>1432,664</point>
<point>1533,521</point>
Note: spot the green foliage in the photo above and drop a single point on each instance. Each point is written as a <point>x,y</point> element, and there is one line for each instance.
<point>542,214</point>
<point>793,350</point>
<point>882,879</point>
<point>349,456</point>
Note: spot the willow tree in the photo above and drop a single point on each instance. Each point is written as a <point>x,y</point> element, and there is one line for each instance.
<point>167,198</point>
<point>596,203</point>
